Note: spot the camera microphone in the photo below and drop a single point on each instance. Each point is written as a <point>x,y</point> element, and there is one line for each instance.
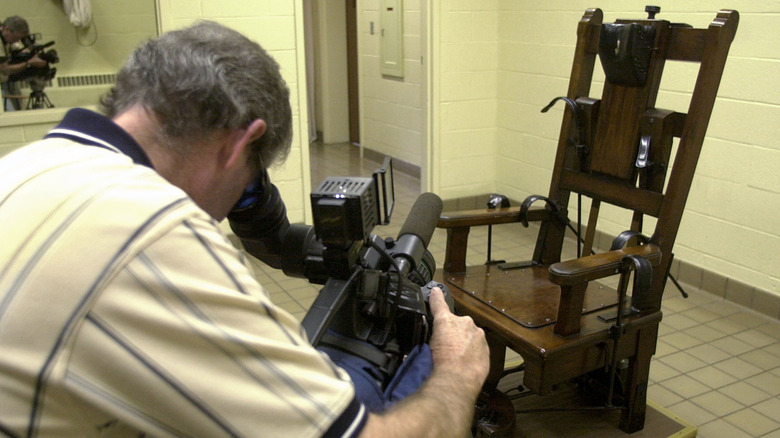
<point>422,218</point>
<point>416,232</point>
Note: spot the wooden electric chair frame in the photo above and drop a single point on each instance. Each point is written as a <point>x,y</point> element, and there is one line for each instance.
<point>553,313</point>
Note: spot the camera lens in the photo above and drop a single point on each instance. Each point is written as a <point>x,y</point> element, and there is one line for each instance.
<point>423,273</point>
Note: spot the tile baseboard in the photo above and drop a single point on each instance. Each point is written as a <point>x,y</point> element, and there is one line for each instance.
<point>398,164</point>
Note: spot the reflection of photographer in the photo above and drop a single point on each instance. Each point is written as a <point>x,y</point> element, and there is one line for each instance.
<point>36,59</point>
<point>36,77</point>
<point>14,29</point>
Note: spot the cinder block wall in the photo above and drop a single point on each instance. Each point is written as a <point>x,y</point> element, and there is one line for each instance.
<point>391,108</point>
<point>277,26</point>
<point>22,127</point>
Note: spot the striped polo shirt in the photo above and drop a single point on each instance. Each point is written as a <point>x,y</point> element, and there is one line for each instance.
<point>124,310</point>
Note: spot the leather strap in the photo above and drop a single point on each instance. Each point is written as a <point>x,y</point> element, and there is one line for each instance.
<point>356,347</point>
<point>622,239</point>
<point>497,200</point>
<point>643,277</point>
<point>582,148</point>
<point>559,214</point>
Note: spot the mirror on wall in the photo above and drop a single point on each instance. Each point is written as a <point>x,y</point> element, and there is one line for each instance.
<point>83,59</point>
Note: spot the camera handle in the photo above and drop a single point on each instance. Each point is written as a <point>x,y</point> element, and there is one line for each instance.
<point>327,304</point>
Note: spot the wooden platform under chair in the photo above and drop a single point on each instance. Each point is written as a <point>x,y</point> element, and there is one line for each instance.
<point>538,423</point>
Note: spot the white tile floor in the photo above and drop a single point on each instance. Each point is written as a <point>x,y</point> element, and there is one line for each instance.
<point>717,364</point>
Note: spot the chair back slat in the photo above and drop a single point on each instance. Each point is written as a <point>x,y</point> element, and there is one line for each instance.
<point>615,126</point>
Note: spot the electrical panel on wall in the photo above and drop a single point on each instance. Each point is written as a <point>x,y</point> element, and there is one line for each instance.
<point>391,49</point>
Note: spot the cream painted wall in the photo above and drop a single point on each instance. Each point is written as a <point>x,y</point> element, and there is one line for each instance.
<point>277,25</point>
<point>391,109</point>
<point>730,225</point>
<point>22,127</point>
<point>464,90</point>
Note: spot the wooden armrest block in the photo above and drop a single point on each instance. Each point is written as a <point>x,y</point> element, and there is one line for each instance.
<point>599,265</point>
<point>574,275</point>
<point>488,216</point>
<point>459,223</point>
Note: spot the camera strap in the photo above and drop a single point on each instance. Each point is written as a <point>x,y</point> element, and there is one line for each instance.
<point>355,347</point>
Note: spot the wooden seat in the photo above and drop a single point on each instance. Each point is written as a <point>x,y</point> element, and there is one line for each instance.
<point>613,150</point>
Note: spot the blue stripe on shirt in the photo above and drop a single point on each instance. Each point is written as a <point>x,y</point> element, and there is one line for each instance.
<point>351,421</point>
<point>80,310</point>
<point>169,380</point>
<point>270,311</point>
<point>289,381</point>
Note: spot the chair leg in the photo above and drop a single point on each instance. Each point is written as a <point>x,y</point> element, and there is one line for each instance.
<point>570,309</point>
<point>633,417</point>
<point>494,415</point>
<point>497,359</point>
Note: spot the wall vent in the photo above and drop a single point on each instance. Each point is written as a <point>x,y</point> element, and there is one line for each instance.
<point>78,81</point>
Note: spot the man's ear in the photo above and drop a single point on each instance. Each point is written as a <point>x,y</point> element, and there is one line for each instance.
<point>239,139</point>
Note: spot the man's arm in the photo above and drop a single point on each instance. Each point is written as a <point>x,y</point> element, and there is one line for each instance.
<point>189,323</point>
<point>444,405</point>
<point>7,69</point>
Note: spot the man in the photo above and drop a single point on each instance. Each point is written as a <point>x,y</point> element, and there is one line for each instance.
<point>12,31</point>
<point>124,309</point>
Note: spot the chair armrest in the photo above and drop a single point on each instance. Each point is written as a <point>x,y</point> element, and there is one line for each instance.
<point>573,277</point>
<point>488,216</point>
<point>459,223</point>
<point>598,266</point>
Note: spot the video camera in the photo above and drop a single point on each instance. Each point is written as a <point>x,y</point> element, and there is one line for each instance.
<point>374,300</point>
<point>27,52</point>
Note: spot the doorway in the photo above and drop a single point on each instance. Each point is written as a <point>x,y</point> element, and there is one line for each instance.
<point>353,97</point>
<point>354,103</point>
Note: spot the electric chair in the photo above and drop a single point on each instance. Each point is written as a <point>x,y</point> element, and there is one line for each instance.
<point>617,150</point>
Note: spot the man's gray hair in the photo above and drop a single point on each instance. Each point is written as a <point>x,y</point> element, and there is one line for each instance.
<point>17,25</point>
<point>203,79</point>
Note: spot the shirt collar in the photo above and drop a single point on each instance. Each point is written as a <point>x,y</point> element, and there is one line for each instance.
<point>93,129</point>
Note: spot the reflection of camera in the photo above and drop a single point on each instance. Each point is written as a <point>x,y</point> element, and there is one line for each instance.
<point>373,302</point>
<point>30,49</point>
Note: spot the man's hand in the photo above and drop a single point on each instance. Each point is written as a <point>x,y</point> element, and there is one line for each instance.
<point>444,405</point>
<point>7,69</point>
<point>457,344</point>
<point>35,61</point>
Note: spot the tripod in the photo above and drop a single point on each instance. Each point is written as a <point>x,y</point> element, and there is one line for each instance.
<point>38,99</point>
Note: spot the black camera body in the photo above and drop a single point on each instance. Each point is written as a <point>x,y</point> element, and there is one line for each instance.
<point>373,302</point>
<point>27,52</point>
